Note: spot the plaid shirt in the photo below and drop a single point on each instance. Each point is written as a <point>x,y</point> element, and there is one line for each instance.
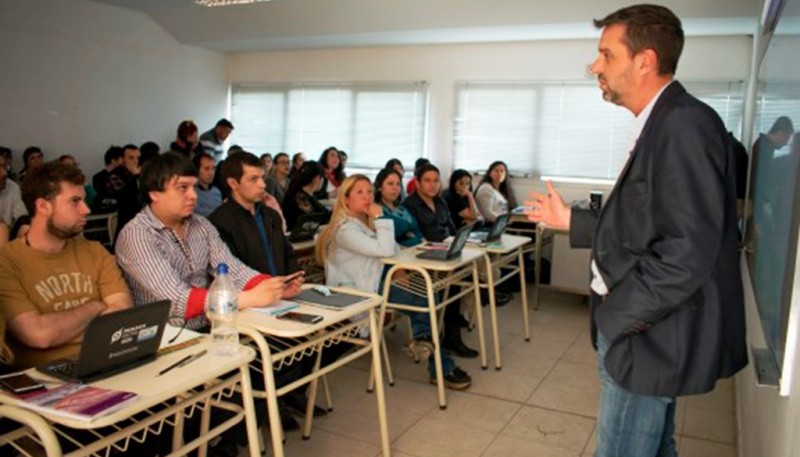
<point>159,265</point>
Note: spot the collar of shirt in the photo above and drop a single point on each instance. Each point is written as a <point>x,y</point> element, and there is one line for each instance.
<point>640,120</point>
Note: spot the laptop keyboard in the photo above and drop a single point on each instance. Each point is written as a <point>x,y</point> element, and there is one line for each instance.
<point>66,368</point>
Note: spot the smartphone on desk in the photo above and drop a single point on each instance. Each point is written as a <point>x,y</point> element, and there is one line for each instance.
<point>20,383</point>
<point>301,317</point>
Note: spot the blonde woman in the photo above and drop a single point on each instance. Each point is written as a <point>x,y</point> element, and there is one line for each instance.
<point>351,248</point>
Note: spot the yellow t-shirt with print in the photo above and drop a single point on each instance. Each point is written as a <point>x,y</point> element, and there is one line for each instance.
<point>31,280</point>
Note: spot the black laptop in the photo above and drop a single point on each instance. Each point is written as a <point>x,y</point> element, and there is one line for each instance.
<point>306,226</point>
<point>494,233</point>
<point>455,247</point>
<point>114,343</point>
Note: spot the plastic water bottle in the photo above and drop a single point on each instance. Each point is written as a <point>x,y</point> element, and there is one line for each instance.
<point>221,312</point>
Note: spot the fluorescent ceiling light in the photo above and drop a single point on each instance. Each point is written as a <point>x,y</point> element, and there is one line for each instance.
<point>226,2</point>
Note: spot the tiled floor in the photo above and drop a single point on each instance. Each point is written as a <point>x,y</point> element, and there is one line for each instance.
<point>542,403</point>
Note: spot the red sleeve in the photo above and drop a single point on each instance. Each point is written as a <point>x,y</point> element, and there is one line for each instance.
<point>255,280</point>
<point>195,304</point>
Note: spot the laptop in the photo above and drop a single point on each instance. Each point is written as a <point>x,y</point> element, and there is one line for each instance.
<point>494,233</point>
<point>455,247</point>
<point>114,343</point>
<point>306,227</point>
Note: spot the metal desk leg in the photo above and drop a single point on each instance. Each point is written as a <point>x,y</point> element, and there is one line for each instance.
<point>477,291</point>
<point>523,288</point>
<point>538,267</point>
<point>42,429</point>
<point>250,412</point>
<point>492,311</point>
<point>375,340</point>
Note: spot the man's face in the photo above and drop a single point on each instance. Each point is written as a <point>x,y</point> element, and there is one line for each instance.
<point>131,160</point>
<point>429,185</point>
<point>3,172</point>
<point>35,161</point>
<point>206,171</point>
<point>223,133</point>
<point>250,188</point>
<point>614,66</point>
<point>66,213</point>
<point>178,199</point>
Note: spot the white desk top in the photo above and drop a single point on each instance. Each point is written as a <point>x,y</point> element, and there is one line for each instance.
<point>271,325</point>
<point>408,256</point>
<point>153,389</point>
<point>506,244</point>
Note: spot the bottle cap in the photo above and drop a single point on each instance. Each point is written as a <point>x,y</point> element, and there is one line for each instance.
<point>222,269</point>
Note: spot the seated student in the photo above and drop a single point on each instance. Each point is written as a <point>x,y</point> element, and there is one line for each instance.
<point>459,199</point>
<point>411,187</point>
<point>333,169</point>
<point>168,252</point>
<point>208,196</point>
<point>351,247</point>
<point>106,183</point>
<point>299,198</point>
<point>388,186</point>
<point>397,165</point>
<point>5,234</point>
<point>245,223</point>
<point>297,163</point>
<point>32,159</point>
<point>130,168</point>
<point>53,282</point>
<point>494,195</point>
<point>6,154</point>
<point>128,200</point>
<point>278,178</point>
<point>11,206</point>
<point>430,211</point>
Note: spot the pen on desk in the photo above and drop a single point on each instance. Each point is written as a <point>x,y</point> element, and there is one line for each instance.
<point>184,361</point>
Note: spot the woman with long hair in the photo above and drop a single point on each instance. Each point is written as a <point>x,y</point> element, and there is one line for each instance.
<point>299,198</point>
<point>494,195</point>
<point>351,247</point>
<point>333,168</point>
<point>460,200</point>
<point>278,178</point>
<point>397,165</point>
<point>388,188</point>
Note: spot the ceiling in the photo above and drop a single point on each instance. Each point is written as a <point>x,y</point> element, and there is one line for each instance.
<point>302,24</point>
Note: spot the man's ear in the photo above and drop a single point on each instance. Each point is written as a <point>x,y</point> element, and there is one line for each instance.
<point>647,61</point>
<point>232,183</point>
<point>44,207</point>
<point>153,196</point>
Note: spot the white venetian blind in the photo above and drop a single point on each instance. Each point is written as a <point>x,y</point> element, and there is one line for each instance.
<point>560,128</point>
<point>370,121</point>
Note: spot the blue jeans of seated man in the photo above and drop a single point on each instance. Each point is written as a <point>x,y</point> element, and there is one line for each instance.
<point>629,424</point>
<point>421,326</point>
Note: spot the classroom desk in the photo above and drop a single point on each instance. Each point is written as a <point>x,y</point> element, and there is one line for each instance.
<point>282,342</point>
<point>542,238</point>
<point>502,254</point>
<point>166,399</point>
<point>426,278</point>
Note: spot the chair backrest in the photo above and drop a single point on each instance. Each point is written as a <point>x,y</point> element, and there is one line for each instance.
<point>112,227</point>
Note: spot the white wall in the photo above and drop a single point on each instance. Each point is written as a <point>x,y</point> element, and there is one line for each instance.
<point>78,76</point>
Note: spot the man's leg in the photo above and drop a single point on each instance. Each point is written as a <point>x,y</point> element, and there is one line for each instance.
<point>632,425</point>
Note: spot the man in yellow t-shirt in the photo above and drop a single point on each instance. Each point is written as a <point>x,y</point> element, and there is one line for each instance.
<point>54,282</point>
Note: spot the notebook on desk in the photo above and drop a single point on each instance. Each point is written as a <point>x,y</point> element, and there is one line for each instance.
<point>114,343</point>
<point>336,300</point>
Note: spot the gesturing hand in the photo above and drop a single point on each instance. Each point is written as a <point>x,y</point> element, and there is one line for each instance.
<point>549,209</point>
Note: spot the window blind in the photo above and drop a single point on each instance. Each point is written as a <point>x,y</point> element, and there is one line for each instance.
<point>370,121</point>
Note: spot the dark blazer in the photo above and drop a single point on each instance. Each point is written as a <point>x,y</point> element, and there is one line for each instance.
<point>237,228</point>
<point>666,244</point>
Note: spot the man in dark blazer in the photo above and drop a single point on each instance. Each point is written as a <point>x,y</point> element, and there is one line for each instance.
<point>667,306</point>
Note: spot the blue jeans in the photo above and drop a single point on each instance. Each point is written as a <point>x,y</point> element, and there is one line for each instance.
<point>421,326</point>
<point>632,425</point>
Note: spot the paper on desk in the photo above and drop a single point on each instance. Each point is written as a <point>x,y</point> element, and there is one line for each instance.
<point>169,333</point>
<point>275,310</point>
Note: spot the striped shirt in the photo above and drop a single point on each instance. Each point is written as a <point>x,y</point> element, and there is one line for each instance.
<point>159,265</point>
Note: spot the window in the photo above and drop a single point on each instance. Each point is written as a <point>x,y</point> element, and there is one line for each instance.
<point>559,128</point>
<point>370,121</point>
